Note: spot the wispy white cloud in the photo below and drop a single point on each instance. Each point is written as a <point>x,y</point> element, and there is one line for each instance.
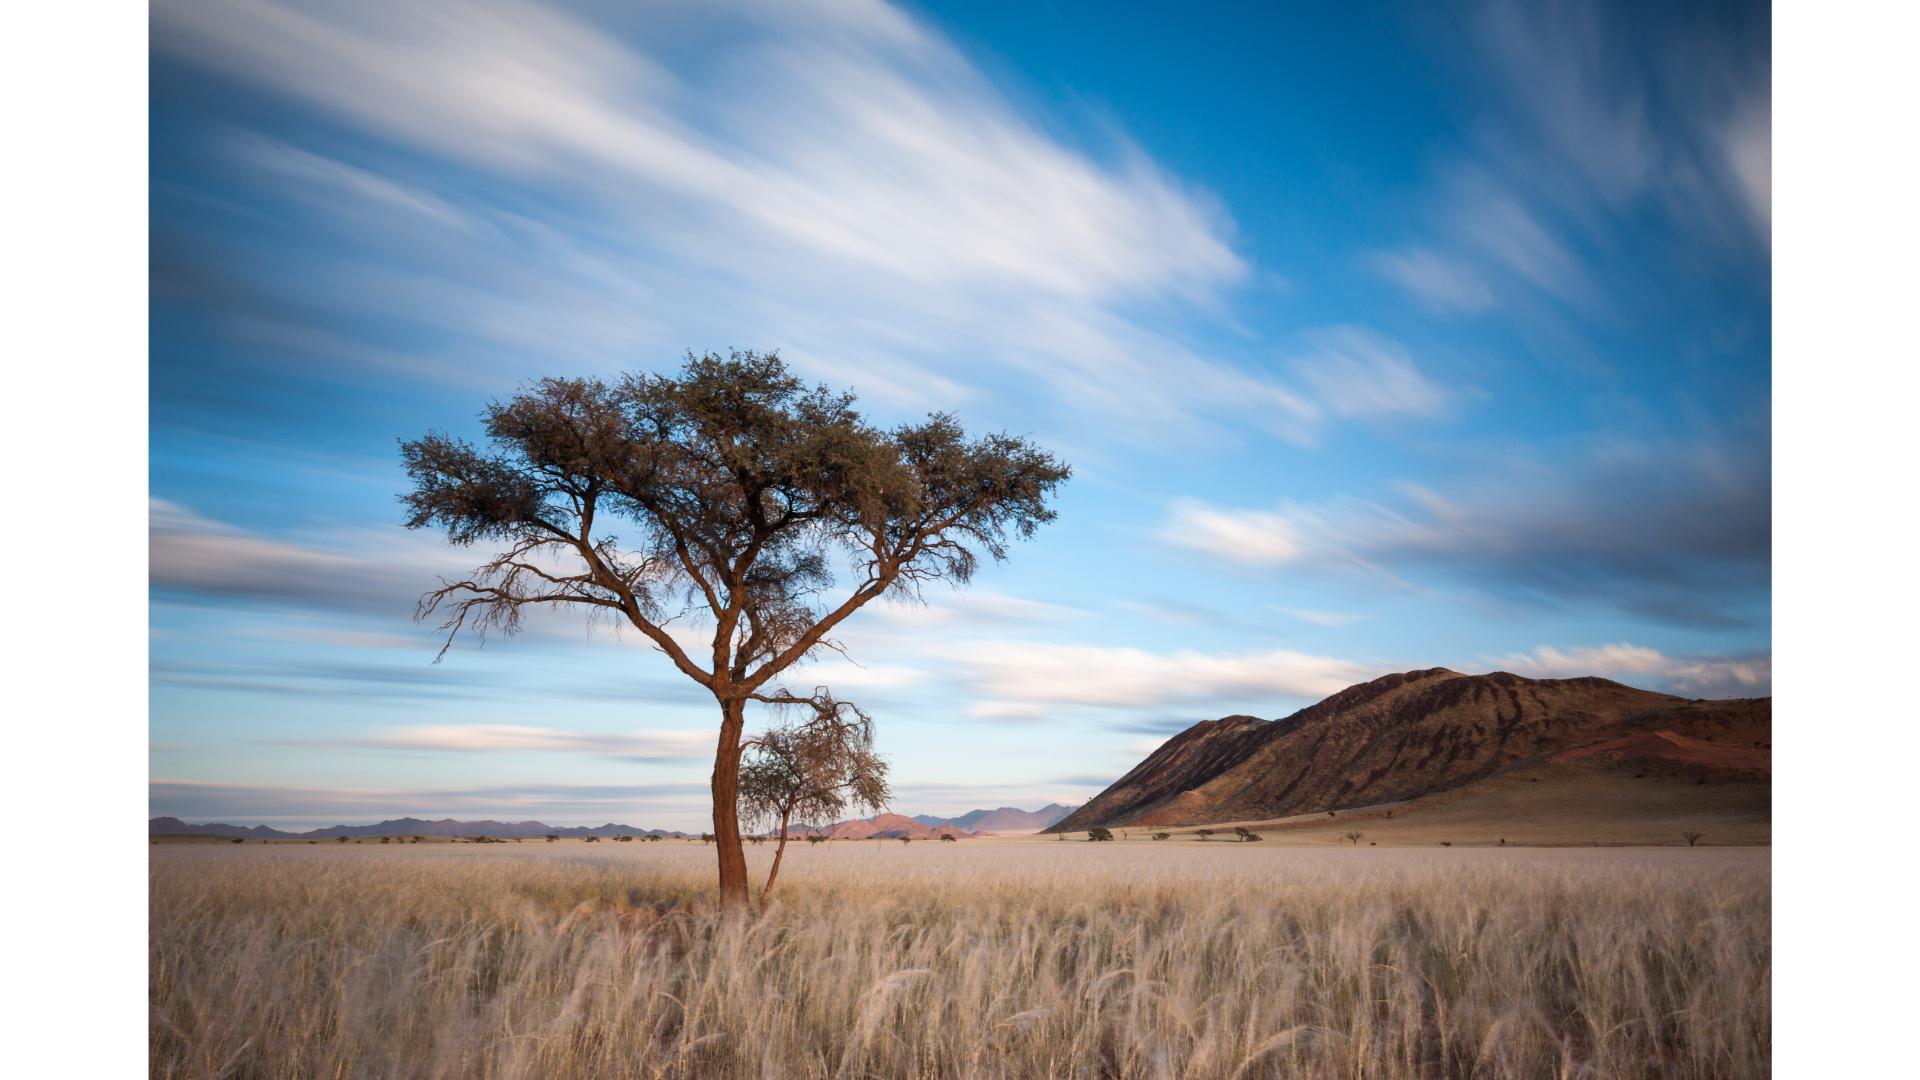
<point>1597,113</point>
<point>1020,677</point>
<point>666,805</point>
<point>1323,618</point>
<point>835,179</point>
<point>515,738</point>
<point>1746,141</point>
<point>1548,662</point>
<point>189,552</point>
<point>1438,281</point>
<point>973,608</point>
<point>1357,373</point>
<point>1665,529</point>
<point>1702,676</point>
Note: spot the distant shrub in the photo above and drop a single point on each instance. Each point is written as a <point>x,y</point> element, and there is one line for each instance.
<point>948,838</point>
<point>1162,836</point>
<point>706,838</point>
<point>593,839</point>
<point>386,839</point>
<point>816,838</point>
<point>340,839</point>
<point>1251,837</point>
<point>1446,843</point>
<point>1693,838</point>
<point>239,839</point>
<point>1097,833</point>
<point>906,839</point>
<point>551,838</point>
<point>1352,837</point>
<point>1203,833</point>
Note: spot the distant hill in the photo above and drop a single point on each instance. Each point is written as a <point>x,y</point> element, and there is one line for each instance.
<point>1004,819</point>
<point>1419,733</point>
<point>171,826</point>
<point>881,827</point>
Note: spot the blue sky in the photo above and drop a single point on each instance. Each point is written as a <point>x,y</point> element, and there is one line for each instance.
<point>1377,341</point>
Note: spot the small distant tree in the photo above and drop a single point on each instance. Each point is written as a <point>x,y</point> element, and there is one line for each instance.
<point>906,839</point>
<point>816,838</point>
<point>551,838</point>
<point>948,838</point>
<point>1251,837</point>
<point>706,838</point>
<point>591,839</point>
<point>340,839</point>
<point>735,485</point>
<point>1692,838</point>
<point>1353,837</point>
<point>1097,833</point>
<point>1446,843</point>
<point>813,770</point>
<point>239,839</point>
<point>386,839</point>
<point>1203,833</point>
<point>1162,836</point>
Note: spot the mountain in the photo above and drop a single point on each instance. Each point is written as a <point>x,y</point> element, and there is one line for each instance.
<point>172,826</point>
<point>1419,733</point>
<point>880,827</point>
<point>408,826</point>
<point>1004,819</point>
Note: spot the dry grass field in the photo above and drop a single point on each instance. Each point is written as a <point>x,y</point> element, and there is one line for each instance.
<point>1021,957</point>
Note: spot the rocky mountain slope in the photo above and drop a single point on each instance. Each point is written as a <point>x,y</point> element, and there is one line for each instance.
<point>1415,734</point>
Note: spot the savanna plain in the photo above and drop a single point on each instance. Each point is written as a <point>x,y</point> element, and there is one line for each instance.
<point>1004,957</point>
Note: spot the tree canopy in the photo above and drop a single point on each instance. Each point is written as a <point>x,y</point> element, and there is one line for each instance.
<point>737,484</point>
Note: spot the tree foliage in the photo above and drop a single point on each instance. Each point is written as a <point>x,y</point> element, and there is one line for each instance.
<point>737,485</point>
<point>813,772</point>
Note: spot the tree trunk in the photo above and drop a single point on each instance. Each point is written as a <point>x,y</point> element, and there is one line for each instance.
<point>781,849</point>
<point>726,807</point>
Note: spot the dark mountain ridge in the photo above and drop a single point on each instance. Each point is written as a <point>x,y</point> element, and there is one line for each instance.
<point>1001,819</point>
<point>1398,737</point>
<point>408,826</point>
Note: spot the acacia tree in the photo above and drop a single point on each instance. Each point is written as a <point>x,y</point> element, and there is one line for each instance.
<point>811,772</point>
<point>739,485</point>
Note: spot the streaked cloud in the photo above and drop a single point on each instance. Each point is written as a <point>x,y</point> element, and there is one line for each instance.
<point>382,573</point>
<point>1441,283</point>
<point>1704,676</point>
<point>514,738</point>
<point>1323,618</point>
<point>1358,374</point>
<point>297,807</point>
<point>1668,530</point>
<point>939,223</point>
<point>1030,675</point>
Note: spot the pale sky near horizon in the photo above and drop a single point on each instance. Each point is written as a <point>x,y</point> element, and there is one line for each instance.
<point>1377,341</point>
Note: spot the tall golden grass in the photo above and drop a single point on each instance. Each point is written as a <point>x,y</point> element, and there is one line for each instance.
<point>983,959</point>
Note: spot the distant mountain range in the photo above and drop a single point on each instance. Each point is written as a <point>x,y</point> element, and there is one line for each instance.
<point>1421,733</point>
<point>1004,819</point>
<point>882,826</point>
<point>171,826</point>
